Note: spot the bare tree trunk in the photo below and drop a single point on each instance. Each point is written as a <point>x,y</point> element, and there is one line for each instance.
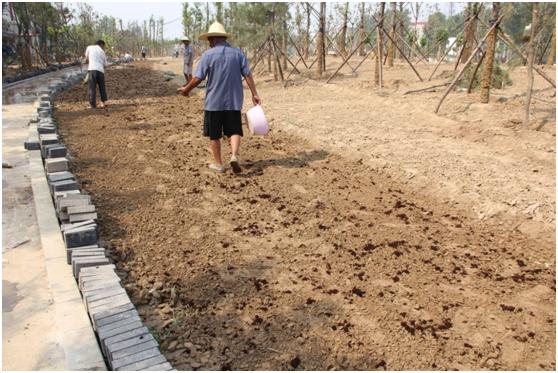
<point>284,42</point>
<point>391,46</point>
<point>378,73</point>
<point>362,34</point>
<point>342,43</point>
<point>320,43</point>
<point>530,60</point>
<point>552,52</point>
<point>268,59</point>
<point>486,79</point>
<point>307,43</point>
<point>401,26</point>
<point>470,30</point>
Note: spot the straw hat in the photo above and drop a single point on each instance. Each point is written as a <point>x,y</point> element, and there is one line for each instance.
<point>216,29</point>
<point>185,38</point>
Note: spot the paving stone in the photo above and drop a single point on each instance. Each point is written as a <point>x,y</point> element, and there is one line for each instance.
<point>119,316</point>
<point>99,284</point>
<point>104,333</point>
<point>64,194</point>
<point>48,139</point>
<point>45,113</point>
<point>71,250</point>
<point>125,336</point>
<point>82,217</point>
<point>72,200</point>
<point>45,148</point>
<point>139,347</point>
<point>81,236</point>
<point>63,185</point>
<point>108,300</point>
<point>57,152</point>
<point>142,364</point>
<point>136,358</point>
<point>111,292</point>
<point>87,278</point>
<point>32,145</point>
<point>99,269</point>
<point>108,306</point>
<point>128,343</point>
<point>63,216</point>
<point>160,367</point>
<point>85,253</point>
<point>78,264</point>
<point>69,226</point>
<point>81,209</point>
<point>87,294</point>
<point>110,312</point>
<point>58,176</point>
<point>56,164</point>
<point>42,129</point>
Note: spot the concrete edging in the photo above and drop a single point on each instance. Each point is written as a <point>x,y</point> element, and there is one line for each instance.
<point>80,272</point>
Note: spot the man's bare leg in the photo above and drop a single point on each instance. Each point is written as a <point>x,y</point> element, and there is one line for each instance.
<point>235,146</point>
<point>216,150</point>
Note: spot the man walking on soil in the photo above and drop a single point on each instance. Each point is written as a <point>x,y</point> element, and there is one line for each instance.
<point>97,60</point>
<point>224,67</point>
<point>188,59</point>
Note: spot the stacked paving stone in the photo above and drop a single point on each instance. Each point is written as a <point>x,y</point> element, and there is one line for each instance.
<point>125,342</point>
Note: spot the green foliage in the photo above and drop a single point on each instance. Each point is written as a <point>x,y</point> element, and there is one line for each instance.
<point>500,77</point>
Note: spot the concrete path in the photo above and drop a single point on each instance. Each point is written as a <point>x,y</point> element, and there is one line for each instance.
<point>42,329</point>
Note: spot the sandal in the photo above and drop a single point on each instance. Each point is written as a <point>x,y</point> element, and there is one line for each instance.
<point>214,167</point>
<point>235,165</point>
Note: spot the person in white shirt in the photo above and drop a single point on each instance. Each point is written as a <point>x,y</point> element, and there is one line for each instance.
<point>97,60</point>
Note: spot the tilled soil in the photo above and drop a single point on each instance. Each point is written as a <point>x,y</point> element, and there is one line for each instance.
<point>306,260</point>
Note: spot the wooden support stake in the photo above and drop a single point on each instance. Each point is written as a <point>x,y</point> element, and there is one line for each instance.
<point>458,76</point>
<point>470,87</point>
<point>425,89</point>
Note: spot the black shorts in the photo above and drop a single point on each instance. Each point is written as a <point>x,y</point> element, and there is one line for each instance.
<point>217,123</point>
<point>142,55</point>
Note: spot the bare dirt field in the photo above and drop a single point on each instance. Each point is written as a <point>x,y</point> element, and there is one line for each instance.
<point>365,232</point>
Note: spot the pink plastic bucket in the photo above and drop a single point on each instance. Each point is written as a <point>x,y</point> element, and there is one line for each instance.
<point>256,121</point>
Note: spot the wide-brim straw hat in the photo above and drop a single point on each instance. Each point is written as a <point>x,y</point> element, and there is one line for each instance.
<point>185,38</point>
<point>215,30</point>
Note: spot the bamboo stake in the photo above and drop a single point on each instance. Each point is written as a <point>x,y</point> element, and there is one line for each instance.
<point>283,53</point>
<point>458,76</point>
<point>403,54</point>
<point>470,87</point>
<point>425,89</point>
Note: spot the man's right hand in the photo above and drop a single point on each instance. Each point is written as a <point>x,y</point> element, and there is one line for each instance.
<point>256,100</point>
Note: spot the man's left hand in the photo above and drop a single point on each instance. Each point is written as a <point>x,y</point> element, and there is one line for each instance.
<point>182,91</point>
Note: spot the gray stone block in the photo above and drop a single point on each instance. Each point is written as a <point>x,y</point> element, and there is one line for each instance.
<point>81,209</point>
<point>63,216</point>
<point>108,300</point>
<point>120,354</point>
<point>95,317</point>
<point>45,148</point>
<point>42,129</point>
<point>127,344</point>
<point>136,358</point>
<point>160,367</point>
<point>57,152</point>
<point>100,308</point>
<point>82,236</point>
<point>85,253</point>
<point>64,194</point>
<point>32,145</point>
<point>71,250</point>
<point>98,269</point>
<point>111,292</point>
<point>69,226</point>
<point>100,284</point>
<point>59,176</point>
<point>48,139</point>
<point>88,279</point>
<point>79,263</point>
<point>104,333</point>
<point>125,336</point>
<point>87,294</point>
<point>56,164</point>
<point>144,363</point>
<point>82,217</point>
<point>119,316</point>
<point>63,185</point>
<point>72,200</point>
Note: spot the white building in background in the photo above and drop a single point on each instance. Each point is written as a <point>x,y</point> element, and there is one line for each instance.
<point>418,28</point>
<point>452,54</point>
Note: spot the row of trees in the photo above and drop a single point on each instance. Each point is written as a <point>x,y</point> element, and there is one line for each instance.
<point>42,33</point>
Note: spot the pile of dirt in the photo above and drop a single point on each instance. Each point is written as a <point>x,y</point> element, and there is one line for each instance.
<point>308,259</point>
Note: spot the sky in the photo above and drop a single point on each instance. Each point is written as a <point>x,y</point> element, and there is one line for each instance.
<point>172,12</point>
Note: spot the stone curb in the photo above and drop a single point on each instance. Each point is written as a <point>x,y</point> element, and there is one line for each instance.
<point>70,236</point>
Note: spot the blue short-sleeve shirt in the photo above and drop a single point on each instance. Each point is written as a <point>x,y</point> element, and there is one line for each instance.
<point>224,67</point>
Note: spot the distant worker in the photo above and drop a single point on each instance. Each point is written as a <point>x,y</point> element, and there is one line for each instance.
<point>188,59</point>
<point>96,58</point>
<point>224,67</point>
<point>128,57</point>
<point>143,51</point>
